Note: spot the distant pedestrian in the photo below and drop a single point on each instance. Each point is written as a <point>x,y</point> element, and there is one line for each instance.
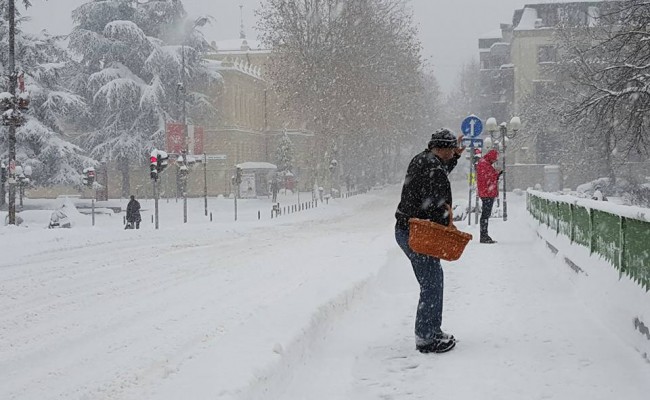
<point>487,184</point>
<point>133,217</point>
<point>426,194</point>
<point>275,188</point>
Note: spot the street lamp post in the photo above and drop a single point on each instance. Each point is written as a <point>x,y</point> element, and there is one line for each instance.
<point>11,12</point>
<point>3,178</point>
<point>183,171</point>
<point>515,125</point>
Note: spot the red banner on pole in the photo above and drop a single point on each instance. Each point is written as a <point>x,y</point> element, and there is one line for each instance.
<point>195,136</point>
<point>175,139</point>
<point>199,136</point>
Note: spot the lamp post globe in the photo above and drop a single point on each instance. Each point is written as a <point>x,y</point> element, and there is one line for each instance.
<point>491,126</point>
<point>488,144</point>
<point>514,126</point>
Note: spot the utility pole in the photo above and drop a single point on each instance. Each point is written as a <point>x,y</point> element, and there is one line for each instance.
<point>472,170</point>
<point>158,163</point>
<point>504,133</point>
<point>156,196</point>
<point>185,138</point>
<point>205,183</point>
<point>198,22</point>
<point>3,178</point>
<point>11,10</point>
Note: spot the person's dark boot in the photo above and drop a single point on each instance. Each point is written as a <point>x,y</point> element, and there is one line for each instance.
<point>487,239</point>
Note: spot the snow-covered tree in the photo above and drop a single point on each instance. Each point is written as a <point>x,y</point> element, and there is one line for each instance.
<point>591,118</point>
<point>465,98</point>
<point>45,142</point>
<point>131,77</point>
<point>610,69</point>
<point>353,68</point>
<point>284,154</point>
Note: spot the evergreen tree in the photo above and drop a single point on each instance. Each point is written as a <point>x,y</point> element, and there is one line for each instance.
<point>465,98</point>
<point>43,142</point>
<point>284,154</point>
<point>131,65</point>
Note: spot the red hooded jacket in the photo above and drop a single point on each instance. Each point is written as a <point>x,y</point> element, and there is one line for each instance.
<point>487,178</point>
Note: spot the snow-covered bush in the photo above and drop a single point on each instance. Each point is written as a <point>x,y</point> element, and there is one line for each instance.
<point>631,193</point>
<point>639,195</point>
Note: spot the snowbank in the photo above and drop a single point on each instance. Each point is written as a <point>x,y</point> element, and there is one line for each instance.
<point>633,212</point>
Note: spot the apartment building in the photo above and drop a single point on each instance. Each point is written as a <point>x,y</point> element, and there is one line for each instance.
<point>517,61</point>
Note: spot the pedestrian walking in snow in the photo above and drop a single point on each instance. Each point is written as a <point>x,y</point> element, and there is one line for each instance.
<point>275,188</point>
<point>133,214</point>
<point>487,183</point>
<point>425,194</point>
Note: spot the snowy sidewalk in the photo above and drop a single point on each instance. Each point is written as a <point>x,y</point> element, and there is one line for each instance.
<point>316,305</point>
<point>523,335</point>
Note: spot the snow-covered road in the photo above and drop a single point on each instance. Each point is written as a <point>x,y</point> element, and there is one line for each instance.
<point>315,305</point>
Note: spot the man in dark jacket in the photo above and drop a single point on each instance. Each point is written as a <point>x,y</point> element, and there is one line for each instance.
<point>425,195</point>
<point>133,214</point>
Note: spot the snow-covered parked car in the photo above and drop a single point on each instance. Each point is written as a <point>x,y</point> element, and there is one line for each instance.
<point>59,219</point>
<point>66,216</point>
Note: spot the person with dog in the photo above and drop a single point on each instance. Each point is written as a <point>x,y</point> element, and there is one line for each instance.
<point>133,217</point>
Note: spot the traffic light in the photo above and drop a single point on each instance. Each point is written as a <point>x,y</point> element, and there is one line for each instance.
<point>181,162</point>
<point>88,176</point>
<point>23,102</point>
<point>477,155</point>
<point>153,167</point>
<point>183,170</point>
<point>157,163</point>
<point>3,173</point>
<point>163,158</point>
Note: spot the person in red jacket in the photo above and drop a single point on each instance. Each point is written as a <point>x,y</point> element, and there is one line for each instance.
<point>487,182</point>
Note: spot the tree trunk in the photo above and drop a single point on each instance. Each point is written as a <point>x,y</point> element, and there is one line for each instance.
<point>609,167</point>
<point>126,178</point>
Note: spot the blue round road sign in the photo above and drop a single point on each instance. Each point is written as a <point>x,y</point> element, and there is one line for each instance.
<point>472,126</point>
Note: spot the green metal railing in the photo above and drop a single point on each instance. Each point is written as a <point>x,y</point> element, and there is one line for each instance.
<point>623,241</point>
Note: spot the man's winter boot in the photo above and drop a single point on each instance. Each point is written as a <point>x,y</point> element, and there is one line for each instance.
<point>437,346</point>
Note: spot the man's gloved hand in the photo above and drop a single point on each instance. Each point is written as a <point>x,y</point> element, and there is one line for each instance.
<point>460,148</point>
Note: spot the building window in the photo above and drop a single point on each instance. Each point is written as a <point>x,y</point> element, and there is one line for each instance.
<point>546,54</point>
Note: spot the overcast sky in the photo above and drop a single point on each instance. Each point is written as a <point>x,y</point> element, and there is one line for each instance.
<point>449,29</point>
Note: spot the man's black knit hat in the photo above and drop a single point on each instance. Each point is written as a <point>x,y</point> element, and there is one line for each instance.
<point>443,138</point>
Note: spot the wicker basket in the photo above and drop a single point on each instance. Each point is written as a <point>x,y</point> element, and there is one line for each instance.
<point>432,239</point>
